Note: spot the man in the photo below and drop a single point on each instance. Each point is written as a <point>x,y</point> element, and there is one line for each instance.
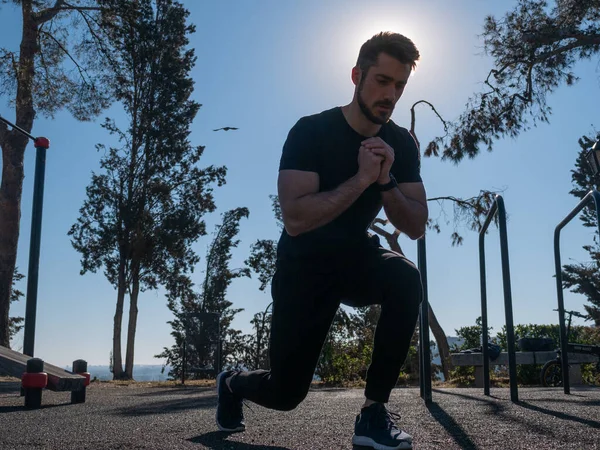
<point>337,170</point>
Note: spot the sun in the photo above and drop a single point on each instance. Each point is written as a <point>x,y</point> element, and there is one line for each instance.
<point>365,29</point>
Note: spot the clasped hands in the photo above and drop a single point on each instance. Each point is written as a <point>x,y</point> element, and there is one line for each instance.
<point>375,159</point>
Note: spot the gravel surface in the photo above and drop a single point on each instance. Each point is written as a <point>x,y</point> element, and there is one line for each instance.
<point>141,417</point>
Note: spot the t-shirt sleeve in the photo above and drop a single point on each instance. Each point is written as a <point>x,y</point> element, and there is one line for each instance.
<point>407,162</point>
<point>300,147</point>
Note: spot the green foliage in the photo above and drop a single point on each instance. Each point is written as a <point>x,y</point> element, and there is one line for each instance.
<point>16,324</point>
<point>199,335</point>
<point>584,277</point>
<point>145,210</point>
<point>527,374</point>
<point>70,55</point>
<point>535,48</point>
<point>471,336</point>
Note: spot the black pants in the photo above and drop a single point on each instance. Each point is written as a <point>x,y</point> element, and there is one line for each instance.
<point>306,296</point>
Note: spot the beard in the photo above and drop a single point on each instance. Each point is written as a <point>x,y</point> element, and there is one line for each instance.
<point>378,119</point>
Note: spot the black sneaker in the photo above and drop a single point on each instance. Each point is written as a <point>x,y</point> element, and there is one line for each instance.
<point>230,416</point>
<point>375,428</point>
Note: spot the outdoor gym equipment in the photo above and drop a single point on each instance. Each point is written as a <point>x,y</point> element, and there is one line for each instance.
<point>41,145</point>
<point>593,195</point>
<point>34,373</point>
<point>551,373</point>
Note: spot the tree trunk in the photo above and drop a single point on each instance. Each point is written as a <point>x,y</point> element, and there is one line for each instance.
<point>13,149</point>
<point>10,215</point>
<point>133,313</point>
<point>442,343</point>
<point>117,357</point>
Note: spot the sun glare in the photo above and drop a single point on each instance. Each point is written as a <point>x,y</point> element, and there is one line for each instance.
<point>368,28</point>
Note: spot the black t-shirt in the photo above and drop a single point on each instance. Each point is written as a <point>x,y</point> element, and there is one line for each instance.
<point>326,144</point>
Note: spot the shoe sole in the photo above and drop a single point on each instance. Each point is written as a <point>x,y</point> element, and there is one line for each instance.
<point>222,428</point>
<point>365,441</point>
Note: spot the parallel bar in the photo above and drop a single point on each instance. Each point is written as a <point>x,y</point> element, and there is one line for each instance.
<point>497,207</point>
<point>424,325</point>
<point>484,321</point>
<point>508,310</point>
<point>595,195</point>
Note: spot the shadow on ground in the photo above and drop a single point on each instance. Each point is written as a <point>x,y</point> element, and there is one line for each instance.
<point>452,427</point>
<point>189,390</point>
<point>168,406</point>
<point>218,440</point>
<point>560,415</point>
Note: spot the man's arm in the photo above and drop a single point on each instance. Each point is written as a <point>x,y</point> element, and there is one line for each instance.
<point>406,208</point>
<point>304,208</point>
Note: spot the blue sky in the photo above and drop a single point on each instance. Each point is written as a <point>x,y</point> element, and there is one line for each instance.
<point>261,66</point>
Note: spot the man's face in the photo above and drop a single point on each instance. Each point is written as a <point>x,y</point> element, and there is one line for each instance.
<point>381,88</point>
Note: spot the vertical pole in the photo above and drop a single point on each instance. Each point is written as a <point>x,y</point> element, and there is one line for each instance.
<point>484,318</point>
<point>183,363</point>
<point>510,330</point>
<point>41,146</point>
<point>424,325</point>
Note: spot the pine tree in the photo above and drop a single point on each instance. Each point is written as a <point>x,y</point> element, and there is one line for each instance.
<point>584,278</point>
<point>146,208</point>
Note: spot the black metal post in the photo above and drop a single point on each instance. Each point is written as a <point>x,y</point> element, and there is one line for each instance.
<point>183,362</point>
<point>595,195</point>
<point>483,286</point>
<point>498,206</point>
<point>41,145</point>
<point>508,310</point>
<point>425,373</point>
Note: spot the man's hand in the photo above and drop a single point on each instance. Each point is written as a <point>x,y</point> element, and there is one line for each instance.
<point>369,165</point>
<point>378,147</point>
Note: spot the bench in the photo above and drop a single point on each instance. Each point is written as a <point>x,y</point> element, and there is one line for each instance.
<point>476,359</point>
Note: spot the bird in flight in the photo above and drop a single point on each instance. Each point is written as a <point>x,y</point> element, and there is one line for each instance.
<point>225,129</point>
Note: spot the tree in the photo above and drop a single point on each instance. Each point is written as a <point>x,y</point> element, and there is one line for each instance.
<point>145,210</point>
<point>58,65</point>
<point>535,48</point>
<point>583,278</point>
<point>186,303</point>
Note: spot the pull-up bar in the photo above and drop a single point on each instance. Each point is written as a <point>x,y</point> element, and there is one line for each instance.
<point>41,145</point>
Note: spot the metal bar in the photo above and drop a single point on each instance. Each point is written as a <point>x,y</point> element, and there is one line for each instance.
<point>19,129</point>
<point>497,207</point>
<point>34,249</point>
<point>508,310</point>
<point>593,194</point>
<point>482,281</point>
<point>484,321</point>
<point>424,326</point>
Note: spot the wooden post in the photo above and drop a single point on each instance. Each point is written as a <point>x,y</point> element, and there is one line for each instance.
<point>80,368</point>
<point>33,381</point>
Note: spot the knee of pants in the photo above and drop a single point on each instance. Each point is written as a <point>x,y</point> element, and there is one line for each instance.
<point>407,288</point>
<point>289,399</point>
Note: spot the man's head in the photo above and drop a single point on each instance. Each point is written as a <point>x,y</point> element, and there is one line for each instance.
<point>382,70</point>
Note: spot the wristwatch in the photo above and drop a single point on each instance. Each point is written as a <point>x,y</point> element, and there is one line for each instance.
<point>389,185</point>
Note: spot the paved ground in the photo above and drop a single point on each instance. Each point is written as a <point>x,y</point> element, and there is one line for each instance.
<point>126,417</point>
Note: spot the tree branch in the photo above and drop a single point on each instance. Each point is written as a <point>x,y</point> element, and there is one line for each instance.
<point>61,5</point>
<point>412,120</point>
<point>460,201</point>
<point>81,71</point>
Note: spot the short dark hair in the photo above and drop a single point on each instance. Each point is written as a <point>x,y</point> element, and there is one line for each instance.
<point>393,44</point>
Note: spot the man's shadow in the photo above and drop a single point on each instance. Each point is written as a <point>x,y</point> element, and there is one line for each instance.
<point>218,440</point>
